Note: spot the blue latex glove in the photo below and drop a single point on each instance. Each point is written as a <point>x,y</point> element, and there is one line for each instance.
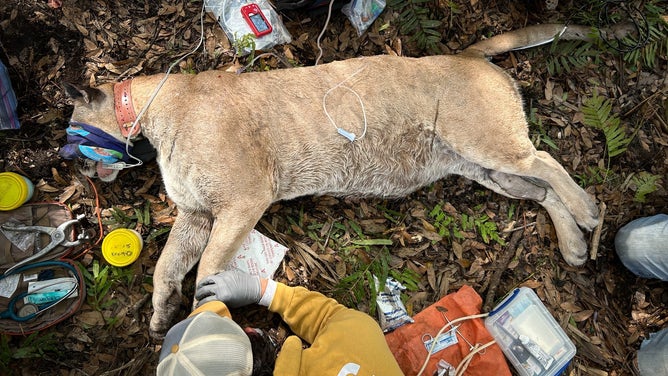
<point>233,287</point>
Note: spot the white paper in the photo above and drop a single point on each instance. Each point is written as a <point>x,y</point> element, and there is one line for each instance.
<point>258,255</point>
<point>8,285</point>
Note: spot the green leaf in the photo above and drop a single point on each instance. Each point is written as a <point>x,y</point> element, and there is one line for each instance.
<point>430,24</point>
<point>368,242</point>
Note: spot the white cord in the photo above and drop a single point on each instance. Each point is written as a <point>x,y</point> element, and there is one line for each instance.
<point>155,93</point>
<point>476,350</point>
<point>329,14</point>
<point>349,135</point>
<point>464,364</point>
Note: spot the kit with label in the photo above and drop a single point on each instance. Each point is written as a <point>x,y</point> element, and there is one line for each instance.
<point>529,336</point>
<point>39,285</point>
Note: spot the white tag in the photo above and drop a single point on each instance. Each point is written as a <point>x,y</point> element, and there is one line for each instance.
<point>443,341</point>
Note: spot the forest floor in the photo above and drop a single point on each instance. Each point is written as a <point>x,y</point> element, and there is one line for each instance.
<point>450,234</point>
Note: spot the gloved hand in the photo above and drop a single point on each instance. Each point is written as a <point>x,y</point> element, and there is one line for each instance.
<point>233,287</point>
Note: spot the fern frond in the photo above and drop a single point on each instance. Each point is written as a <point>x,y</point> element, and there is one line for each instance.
<point>645,183</point>
<point>417,20</point>
<point>598,114</point>
<point>656,44</point>
<point>565,56</point>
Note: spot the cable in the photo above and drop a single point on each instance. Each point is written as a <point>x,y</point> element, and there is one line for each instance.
<point>450,324</point>
<point>464,364</point>
<point>329,14</point>
<point>606,17</point>
<point>349,135</point>
<point>155,93</point>
<point>98,214</point>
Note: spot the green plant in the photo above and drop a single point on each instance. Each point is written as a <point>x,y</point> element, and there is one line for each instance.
<point>598,114</point>
<point>245,45</point>
<point>98,285</point>
<point>360,285</point>
<point>644,183</point>
<point>565,56</point>
<point>541,136</point>
<point>141,217</point>
<point>120,219</point>
<point>655,45</point>
<point>418,20</point>
<point>483,226</point>
<point>122,275</point>
<point>593,176</point>
<point>444,224</point>
<point>35,345</point>
<point>487,230</point>
<point>156,233</point>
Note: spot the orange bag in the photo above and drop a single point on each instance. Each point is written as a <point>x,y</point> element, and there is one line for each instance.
<point>408,341</point>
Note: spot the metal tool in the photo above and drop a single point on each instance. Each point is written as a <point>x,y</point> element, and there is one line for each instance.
<point>58,236</point>
<point>29,311</point>
<point>443,310</point>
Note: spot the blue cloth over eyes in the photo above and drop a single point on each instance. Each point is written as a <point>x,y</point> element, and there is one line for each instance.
<point>87,141</point>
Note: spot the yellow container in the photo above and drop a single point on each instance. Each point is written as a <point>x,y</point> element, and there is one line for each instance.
<point>122,246</point>
<point>15,190</point>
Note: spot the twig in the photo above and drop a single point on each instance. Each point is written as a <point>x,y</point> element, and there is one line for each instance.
<point>140,303</point>
<point>501,266</point>
<point>73,371</point>
<point>596,237</point>
<point>138,360</point>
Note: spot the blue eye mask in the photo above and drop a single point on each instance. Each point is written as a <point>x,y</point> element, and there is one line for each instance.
<point>87,141</point>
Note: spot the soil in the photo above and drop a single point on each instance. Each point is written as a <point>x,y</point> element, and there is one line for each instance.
<point>606,310</point>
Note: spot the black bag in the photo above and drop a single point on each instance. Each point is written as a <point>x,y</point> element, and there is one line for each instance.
<point>44,291</point>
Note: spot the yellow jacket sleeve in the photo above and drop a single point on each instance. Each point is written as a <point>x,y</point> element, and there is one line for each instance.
<point>214,306</point>
<point>343,341</point>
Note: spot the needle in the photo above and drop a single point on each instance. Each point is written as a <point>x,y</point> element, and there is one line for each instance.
<point>443,310</point>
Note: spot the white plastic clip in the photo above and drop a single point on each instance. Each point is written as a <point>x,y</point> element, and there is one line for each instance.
<point>115,166</point>
<point>349,135</point>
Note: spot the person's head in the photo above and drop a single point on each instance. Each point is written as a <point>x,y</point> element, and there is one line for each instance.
<point>209,344</point>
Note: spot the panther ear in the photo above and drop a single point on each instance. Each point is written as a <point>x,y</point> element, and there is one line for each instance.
<point>81,94</point>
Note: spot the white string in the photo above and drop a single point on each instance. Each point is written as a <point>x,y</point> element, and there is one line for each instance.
<point>351,136</point>
<point>464,364</point>
<point>476,349</point>
<point>155,93</point>
<point>329,14</point>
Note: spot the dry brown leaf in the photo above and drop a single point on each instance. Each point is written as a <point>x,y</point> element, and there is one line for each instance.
<point>67,193</point>
<point>43,186</point>
<point>431,276</point>
<point>570,306</point>
<point>532,284</point>
<point>458,250</point>
<point>582,315</point>
<point>90,318</point>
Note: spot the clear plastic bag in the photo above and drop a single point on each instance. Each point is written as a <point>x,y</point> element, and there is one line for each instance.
<point>362,13</point>
<point>229,16</point>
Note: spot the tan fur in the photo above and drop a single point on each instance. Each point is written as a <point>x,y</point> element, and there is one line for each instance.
<point>229,145</point>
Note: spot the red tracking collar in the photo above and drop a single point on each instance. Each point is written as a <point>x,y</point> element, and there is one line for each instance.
<point>125,111</point>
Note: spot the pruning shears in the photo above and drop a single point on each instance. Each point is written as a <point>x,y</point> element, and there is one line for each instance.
<point>59,237</point>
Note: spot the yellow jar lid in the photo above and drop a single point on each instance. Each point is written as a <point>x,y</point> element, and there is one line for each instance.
<point>15,190</point>
<point>122,246</point>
